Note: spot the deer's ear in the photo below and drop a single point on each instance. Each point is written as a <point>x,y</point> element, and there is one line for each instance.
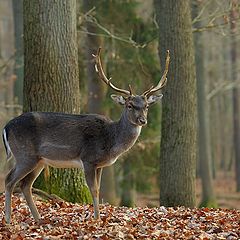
<point>118,99</point>
<point>154,98</point>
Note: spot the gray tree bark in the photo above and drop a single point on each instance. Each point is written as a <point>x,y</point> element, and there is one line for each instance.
<point>51,78</point>
<point>178,142</point>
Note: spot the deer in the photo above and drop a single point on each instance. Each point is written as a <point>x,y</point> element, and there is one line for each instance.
<point>87,141</point>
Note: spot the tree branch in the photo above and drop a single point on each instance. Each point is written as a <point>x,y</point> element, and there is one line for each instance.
<point>87,17</point>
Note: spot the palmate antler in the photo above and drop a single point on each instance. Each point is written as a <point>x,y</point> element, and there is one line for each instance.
<point>162,81</point>
<point>99,70</point>
<point>150,91</point>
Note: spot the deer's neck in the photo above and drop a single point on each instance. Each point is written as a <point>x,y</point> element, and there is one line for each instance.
<point>126,133</point>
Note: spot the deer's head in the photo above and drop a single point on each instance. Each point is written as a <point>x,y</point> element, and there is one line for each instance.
<point>135,106</point>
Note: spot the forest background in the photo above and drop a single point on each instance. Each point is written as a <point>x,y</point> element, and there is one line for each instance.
<point>130,35</point>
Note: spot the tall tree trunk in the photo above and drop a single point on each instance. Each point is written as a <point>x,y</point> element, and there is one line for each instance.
<point>19,60</point>
<point>128,196</point>
<point>96,98</point>
<point>236,94</point>
<point>204,155</point>
<point>51,78</point>
<point>6,55</point>
<point>6,69</point>
<point>178,144</point>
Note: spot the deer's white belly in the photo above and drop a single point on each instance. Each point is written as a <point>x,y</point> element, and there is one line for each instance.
<point>76,163</point>
<point>106,163</point>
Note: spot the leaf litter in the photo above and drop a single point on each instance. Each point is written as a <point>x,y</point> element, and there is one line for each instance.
<point>64,220</point>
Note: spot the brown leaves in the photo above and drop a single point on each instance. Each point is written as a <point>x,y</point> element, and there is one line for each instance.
<point>63,220</point>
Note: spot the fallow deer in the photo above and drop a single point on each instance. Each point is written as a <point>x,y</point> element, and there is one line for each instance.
<point>87,141</point>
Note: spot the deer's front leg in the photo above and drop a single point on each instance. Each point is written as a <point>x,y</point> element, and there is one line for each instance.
<point>99,175</point>
<point>92,182</point>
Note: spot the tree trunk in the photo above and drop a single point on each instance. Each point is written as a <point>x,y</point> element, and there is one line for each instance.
<point>51,78</point>
<point>204,155</point>
<point>6,70</point>
<point>96,98</point>
<point>128,196</point>
<point>236,93</point>
<point>19,60</point>
<point>178,144</point>
<point>6,55</point>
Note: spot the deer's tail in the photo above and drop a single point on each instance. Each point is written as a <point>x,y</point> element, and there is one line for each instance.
<point>6,144</point>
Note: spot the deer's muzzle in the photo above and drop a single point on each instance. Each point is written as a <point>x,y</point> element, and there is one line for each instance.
<point>142,121</point>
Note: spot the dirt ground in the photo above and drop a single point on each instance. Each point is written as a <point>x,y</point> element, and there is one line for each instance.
<point>224,186</point>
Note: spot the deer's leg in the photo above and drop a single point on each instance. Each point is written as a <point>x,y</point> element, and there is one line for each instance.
<point>14,176</point>
<point>9,186</point>
<point>91,178</point>
<point>26,185</point>
<point>99,175</point>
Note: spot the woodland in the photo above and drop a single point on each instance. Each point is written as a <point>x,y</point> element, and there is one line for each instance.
<point>181,179</point>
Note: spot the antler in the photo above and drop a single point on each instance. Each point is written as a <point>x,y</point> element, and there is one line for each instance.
<point>162,81</point>
<point>99,70</point>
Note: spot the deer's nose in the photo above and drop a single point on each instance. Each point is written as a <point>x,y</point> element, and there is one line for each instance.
<point>142,120</point>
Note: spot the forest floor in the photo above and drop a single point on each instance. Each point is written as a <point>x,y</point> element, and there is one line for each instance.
<point>63,220</point>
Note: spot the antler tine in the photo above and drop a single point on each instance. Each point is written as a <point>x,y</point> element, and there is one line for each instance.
<point>147,91</point>
<point>162,81</point>
<point>130,89</point>
<point>99,70</point>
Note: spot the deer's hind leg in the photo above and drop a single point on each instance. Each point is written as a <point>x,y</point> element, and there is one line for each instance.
<point>13,177</point>
<point>26,187</point>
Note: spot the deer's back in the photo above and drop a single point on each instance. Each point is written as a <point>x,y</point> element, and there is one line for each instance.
<point>58,135</point>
